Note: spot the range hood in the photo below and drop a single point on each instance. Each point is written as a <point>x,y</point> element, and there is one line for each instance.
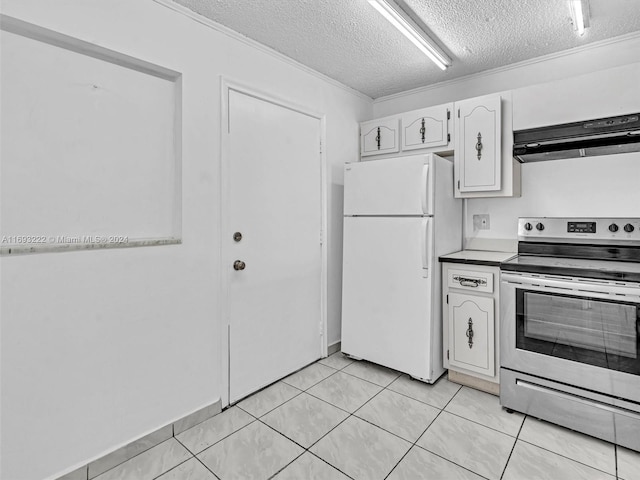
<point>602,136</point>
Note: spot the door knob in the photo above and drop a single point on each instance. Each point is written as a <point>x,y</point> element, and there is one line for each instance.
<point>239,265</point>
<point>237,236</point>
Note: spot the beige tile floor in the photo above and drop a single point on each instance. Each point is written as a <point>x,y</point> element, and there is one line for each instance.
<point>339,419</point>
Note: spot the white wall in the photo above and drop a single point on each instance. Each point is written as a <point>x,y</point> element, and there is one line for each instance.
<point>604,186</point>
<point>574,62</point>
<point>101,347</point>
<point>599,186</point>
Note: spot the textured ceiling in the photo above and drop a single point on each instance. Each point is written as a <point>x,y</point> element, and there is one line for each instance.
<point>349,41</point>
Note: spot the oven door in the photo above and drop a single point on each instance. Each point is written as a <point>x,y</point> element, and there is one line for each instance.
<point>577,331</point>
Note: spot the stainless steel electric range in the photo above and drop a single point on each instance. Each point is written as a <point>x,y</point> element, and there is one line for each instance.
<point>570,325</point>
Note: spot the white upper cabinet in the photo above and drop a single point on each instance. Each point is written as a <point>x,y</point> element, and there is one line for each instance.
<point>478,144</point>
<point>426,128</point>
<point>379,136</point>
<point>483,156</point>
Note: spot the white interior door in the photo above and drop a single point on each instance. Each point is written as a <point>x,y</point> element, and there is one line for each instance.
<point>275,203</point>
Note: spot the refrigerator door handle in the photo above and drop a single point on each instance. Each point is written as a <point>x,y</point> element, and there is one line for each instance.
<point>425,188</point>
<point>424,247</point>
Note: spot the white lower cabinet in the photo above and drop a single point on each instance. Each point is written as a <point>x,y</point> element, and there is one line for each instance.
<point>470,324</point>
<point>471,329</point>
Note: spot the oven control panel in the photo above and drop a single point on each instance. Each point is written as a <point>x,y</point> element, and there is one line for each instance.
<point>581,227</point>
<point>581,230</point>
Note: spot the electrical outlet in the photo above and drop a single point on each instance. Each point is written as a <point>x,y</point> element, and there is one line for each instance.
<point>481,222</point>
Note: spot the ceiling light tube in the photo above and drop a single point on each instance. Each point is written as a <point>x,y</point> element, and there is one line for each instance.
<point>409,29</point>
<point>580,15</point>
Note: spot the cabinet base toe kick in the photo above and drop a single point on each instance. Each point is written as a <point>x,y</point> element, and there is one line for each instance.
<point>608,418</point>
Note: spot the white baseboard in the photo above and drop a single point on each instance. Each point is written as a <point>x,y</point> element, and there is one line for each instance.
<point>334,347</point>
<point>130,450</point>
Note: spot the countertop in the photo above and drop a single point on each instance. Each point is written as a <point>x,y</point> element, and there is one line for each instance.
<point>477,257</point>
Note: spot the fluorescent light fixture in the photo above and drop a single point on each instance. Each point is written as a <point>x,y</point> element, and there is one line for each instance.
<point>579,15</point>
<point>412,31</point>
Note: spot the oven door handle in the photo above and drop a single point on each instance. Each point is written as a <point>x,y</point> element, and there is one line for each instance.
<point>574,286</point>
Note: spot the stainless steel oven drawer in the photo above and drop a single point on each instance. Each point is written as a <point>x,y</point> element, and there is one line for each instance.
<point>601,416</point>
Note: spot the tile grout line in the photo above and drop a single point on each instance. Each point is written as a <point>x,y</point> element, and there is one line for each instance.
<point>97,477</point>
<point>354,414</point>
<point>573,459</point>
<point>258,419</point>
<point>205,466</point>
<point>364,379</point>
<point>195,455</point>
<point>451,461</point>
<point>419,436</point>
<point>284,380</point>
<point>305,449</point>
<point>332,466</point>
<point>223,438</point>
<point>517,437</point>
<point>483,425</point>
<point>349,415</point>
<point>274,383</point>
<point>283,435</point>
<point>149,449</point>
<point>287,464</point>
<point>382,428</point>
<point>236,404</point>
<point>513,447</point>
<point>176,466</point>
<point>415,444</point>
<point>417,399</point>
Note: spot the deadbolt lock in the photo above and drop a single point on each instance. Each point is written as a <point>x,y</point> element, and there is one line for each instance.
<point>237,236</point>
<point>239,265</point>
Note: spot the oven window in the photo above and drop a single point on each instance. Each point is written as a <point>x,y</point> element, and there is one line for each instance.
<point>586,330</point>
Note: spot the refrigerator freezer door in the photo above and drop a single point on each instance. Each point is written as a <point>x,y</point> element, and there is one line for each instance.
<point>387,294</point>
<point>396,186</point>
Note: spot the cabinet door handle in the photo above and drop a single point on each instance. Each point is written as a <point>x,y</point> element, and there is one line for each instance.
<point>423,130</point>
<point>470,332</point>
<point>469,282</point>
<point>479,146</point>
<point>378,138</point>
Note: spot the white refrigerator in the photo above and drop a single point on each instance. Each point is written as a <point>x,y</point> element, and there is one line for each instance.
<point>399,217</point>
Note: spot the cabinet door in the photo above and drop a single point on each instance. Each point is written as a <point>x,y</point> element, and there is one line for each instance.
<point>426,128</point>
<point>379,136</point>
<point>478,144</point>
<point>471,333</point>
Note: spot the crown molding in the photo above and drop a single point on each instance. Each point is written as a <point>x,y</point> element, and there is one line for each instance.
<point>513,66</point>
<point>257,45</point>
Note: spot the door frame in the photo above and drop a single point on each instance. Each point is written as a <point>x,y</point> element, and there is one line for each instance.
<point>226,86</point>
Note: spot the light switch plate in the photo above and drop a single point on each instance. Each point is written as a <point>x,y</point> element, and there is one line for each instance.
<point>481,222</point>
